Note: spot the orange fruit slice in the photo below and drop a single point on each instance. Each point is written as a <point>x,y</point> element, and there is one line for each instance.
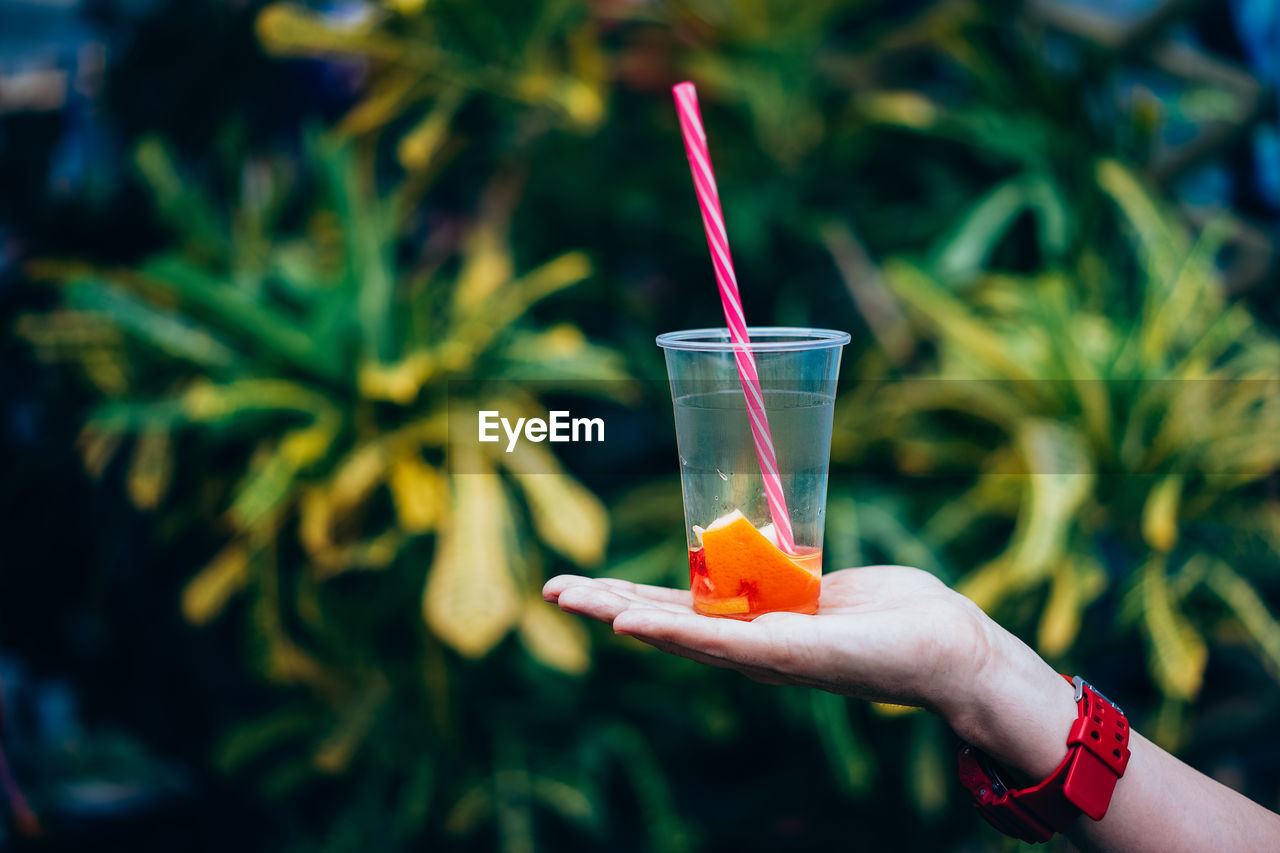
<point>735,606</point>
<point>742,562</point>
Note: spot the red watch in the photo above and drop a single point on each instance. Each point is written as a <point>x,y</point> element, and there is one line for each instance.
<point>1097,754</point>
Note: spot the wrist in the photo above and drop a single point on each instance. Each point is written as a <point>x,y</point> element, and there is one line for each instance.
<point>1014,707</point>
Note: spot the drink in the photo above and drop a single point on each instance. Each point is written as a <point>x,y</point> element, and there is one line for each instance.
<point>740,572</point>
<point>738,567</point>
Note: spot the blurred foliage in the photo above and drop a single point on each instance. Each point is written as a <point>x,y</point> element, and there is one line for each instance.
<point>1123,437</point>
<point>426,64</point>
<point>1055,407</point>
<point>315,368</point>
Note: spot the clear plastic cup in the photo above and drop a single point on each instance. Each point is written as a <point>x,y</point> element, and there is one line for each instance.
<point>736,567</point>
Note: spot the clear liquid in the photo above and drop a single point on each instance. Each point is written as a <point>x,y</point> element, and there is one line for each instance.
<point>719,470</point>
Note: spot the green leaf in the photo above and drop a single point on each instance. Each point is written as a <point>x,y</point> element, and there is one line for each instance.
<point>966,250</point>
<point>882,527</point>
<point>563,352</point>
<point>928,776</point>
<point>843,544</point>
<point>1164,242</point>
<point>667,832</point>
<point>414,804</point>
<point>252,740</point>
<point>269,488</point>
<point>168,332</point>
<point>577,802</point>
<point>1247,606</point>
<point>217,302</point>
<point>850,760</point>
<point>183,206</point>
<point>369,234</point>
<point>954,322</point>
<point>1060,476</point>
<point>355,720</point>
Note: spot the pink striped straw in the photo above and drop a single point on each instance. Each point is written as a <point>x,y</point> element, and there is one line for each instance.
<point>704,181</point>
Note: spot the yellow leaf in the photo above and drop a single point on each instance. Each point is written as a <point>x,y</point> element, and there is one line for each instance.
<point>556,274</point>
<point>287,663</point>
<point>1169,729</point>
<point>1061,479</point>
<point>304,446</point>
<point>585,106</point>
<point>208,592</point>
<point>907,109</point>
<point>554,638</point>
<point>961,331</point>
<point>987,585</point>
<point>581,102</point>
<point>314,521</point>
<point>566,515</point>
<point>418,491</point>
<point>271,480</point>
<point>419,146</point>
<point>106,369</point>
<point>486,265</point>
<point>1076,583</point>
<point>1160,514</point>
<point>1178,652</point>
<point>470,600</point>
<point>356,478</point>
<point>151,468</point>
<point>96,448</point>
<point>288,29</point>
<point>887,709</point>
<point>398,382</point>
<point>206,402</point>
<point>382,104</point>
<point>1165,241</point>
<point>1249,608</point>
<point>364,555</point>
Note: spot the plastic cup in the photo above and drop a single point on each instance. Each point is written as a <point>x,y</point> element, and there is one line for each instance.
<point>736,567</point>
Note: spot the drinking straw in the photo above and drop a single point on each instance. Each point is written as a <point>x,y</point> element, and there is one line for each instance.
<point>704,181</point>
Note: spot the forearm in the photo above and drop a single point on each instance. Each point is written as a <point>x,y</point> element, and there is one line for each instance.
<point>1020,715</point>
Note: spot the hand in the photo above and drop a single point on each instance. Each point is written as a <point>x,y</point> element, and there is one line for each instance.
<point>895,634</point>
<point>884,633</point>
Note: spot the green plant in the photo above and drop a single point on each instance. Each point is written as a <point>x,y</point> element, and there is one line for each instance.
<point>289,342</point>
<point>281,376</point>
<point>1106,431</point>
<point>428,64</point>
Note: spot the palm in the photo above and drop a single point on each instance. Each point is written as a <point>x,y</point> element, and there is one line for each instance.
<point>888,633</point>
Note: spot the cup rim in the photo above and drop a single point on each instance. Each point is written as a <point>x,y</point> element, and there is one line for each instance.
<point>795,339</point>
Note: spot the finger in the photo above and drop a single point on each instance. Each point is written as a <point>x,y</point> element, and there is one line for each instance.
<point>642,594</point>
<point>729,639</point>
<point>596,602</point>
<point>551,589</point>
<point>625,590</point>
<point>663,594</point>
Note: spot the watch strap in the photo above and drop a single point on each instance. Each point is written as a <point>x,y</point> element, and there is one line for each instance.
<point>1097,755</point>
